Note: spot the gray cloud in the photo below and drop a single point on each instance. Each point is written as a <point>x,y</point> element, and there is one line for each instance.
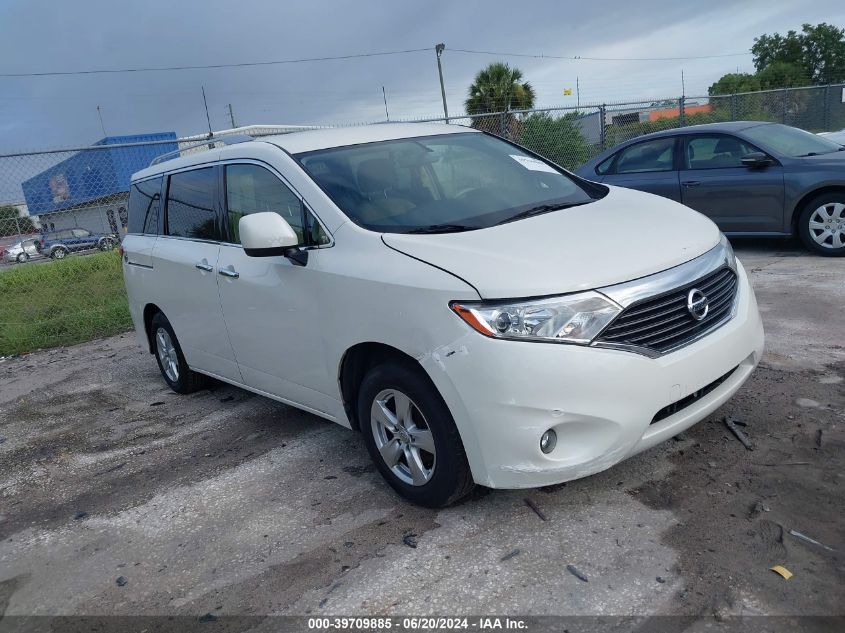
<point>59,111</point>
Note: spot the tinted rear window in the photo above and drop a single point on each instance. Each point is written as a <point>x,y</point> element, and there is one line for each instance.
<point>190,205</point>
<point>144,204</point>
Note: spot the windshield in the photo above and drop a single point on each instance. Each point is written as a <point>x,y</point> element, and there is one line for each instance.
<point>790,141</point>
<point>441,184</point>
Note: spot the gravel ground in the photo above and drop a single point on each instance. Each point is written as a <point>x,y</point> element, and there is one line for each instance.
<point>224,502</point>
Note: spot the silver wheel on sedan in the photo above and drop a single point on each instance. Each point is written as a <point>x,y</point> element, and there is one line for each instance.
<point>167,354</point>
<point>403,437</point>
<point>827,225</point>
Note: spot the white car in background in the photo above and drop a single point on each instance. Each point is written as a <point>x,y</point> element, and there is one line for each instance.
<point>836,137</point>
<point>23,251</point>
<point>477,313</point>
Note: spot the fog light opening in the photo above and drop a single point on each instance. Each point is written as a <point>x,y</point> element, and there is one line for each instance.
<point>548,441</point>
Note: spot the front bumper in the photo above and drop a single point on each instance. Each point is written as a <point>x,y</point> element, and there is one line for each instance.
<point>601,402</point>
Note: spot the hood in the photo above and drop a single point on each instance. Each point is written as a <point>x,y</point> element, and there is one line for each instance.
<point>625,235</point>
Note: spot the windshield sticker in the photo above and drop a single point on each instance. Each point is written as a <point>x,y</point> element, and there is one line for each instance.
<point>534,164</point>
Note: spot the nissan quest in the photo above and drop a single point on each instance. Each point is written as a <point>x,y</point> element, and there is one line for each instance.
<point>477,313</point>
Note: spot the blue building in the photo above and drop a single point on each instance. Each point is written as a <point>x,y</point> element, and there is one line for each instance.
<point>89,189</point>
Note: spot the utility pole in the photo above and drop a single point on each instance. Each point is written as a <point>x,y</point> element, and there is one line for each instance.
<point>232,116</point>
<point>683,86</point>
<point>384,95</point>
<point>439,48</point>
<point>100,115</point>
<point>207,118</point>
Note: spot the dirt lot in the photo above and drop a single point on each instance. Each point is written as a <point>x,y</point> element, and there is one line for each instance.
<point>227,503</point>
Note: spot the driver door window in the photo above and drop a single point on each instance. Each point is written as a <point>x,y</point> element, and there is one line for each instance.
<point>253,189</point>
<point>716,152</point>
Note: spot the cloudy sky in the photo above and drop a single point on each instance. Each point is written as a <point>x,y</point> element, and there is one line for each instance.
<point>38,36</point>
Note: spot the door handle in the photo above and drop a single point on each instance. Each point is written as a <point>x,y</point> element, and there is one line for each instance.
<point>691,183</point>
<point>228,273</point>
<point>203,266</point>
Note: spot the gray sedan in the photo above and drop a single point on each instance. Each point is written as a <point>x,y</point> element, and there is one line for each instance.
<point>750,178</point>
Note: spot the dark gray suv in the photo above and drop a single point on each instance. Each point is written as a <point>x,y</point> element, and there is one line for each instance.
<point>750,178</point>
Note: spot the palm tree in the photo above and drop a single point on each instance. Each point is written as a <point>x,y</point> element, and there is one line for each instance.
<point>499,88</point>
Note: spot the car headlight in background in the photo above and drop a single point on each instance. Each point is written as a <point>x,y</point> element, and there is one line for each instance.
<point>576,318</point>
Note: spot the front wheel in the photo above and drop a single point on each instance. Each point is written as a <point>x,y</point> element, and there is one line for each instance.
<point>821,225</point>
<point>106,244</point>
<point>411,436</point>
<point>171,360</point>
<point>23,258</point>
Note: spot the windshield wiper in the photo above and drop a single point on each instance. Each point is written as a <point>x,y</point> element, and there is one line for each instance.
<point>538,210</point>
<point>443,228</point>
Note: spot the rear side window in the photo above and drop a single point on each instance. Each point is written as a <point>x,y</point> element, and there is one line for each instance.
<point>144,204</point>
<point>190,205</point>
<point>656,155</point>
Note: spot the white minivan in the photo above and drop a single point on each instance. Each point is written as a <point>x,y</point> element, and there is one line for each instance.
<point>479,314</point>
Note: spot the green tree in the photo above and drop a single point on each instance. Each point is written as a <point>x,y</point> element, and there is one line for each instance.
<point>815,56</point>
<point>733,83</point>
<point>557,138</point>
<point>499,88</point>
<point>819,51</point>
<point>782,75</point>
<point>12,224</point>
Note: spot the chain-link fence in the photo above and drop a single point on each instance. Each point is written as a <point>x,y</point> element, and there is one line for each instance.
<point>63,212</point>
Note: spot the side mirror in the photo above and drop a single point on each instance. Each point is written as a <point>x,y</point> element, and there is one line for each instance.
<point>267,234</point>
<point>756,160</point>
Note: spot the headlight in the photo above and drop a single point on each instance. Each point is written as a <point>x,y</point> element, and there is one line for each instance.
<point>576,318</point>
<point>730,258</point>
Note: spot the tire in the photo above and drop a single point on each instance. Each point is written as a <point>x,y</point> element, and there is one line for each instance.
<point>821,225</point>
<point>171,361</point>
<point>59,253</point>
<point>22,258</point>
<point>449,478</point>
<point>106,244</point>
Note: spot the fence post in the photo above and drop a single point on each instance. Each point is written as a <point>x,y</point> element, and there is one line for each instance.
<point>682,113</point>
<point>602,130</point>
<point>733,107</point>
<point>826,108</point>
<point>503,126</point>
<point>785,105</point>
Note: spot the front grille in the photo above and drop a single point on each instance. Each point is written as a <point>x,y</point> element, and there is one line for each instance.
<point>695,396</point>
<point>663,322</point>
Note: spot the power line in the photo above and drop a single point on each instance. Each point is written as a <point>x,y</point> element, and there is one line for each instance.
<point>595,59</point>
<point>211,66</point>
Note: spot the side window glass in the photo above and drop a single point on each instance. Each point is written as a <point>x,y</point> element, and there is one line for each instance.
<point>605,165</point>
<point>317,235</point>
<point>190,205</point>
<point>253,189</point>
<point>717,151</point>
<point>656,155</point>
<point>144,204</point>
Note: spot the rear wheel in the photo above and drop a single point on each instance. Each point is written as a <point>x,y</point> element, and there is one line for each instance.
<point>106,244</point>
<point>171,360</point>
<point>411,436</point>
<point>23,257</point>
<point>59,253</point>
<point>821,225</point>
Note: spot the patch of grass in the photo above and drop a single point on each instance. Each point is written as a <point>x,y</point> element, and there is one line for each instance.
<point>62,302</point>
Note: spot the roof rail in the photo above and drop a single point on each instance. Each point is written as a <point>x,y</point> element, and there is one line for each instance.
<point>210,141</point>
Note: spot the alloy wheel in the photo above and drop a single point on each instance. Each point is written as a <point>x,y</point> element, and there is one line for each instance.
<point>827,225</point>
<point>403,437</point>
<point>167,354</point>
